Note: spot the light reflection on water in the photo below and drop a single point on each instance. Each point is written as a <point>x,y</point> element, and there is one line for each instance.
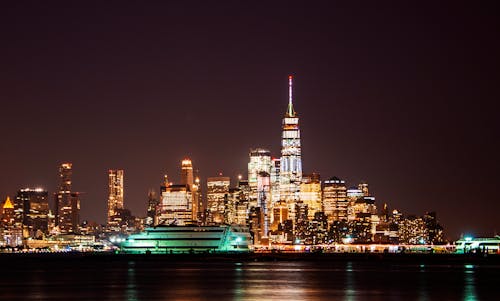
<point>131,291</point>
<point>151,280</point>
<point>469,287</point>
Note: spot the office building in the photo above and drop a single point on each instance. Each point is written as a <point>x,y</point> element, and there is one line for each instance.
<point>187,177</point>
<point>310,193</point>
<point>335,203</point>
<point>260,161</point>
<point>176,205</point>
<point>275,181</point>
<point>8,214</point>
<point>264,203</point>
<point>217,188</point>
<point>31,207</point>
<point>115,197</point>
<point>67,203</point>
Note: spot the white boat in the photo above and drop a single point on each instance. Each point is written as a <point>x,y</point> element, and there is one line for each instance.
<point>478,244</point>
<point>187,239</point>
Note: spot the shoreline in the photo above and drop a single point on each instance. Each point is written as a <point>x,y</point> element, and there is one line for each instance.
<point>411,258</point>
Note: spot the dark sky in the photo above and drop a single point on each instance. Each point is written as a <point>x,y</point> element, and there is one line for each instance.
<point>402,96</point>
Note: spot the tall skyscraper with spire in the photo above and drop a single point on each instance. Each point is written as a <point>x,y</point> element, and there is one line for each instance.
<point>291,160</point>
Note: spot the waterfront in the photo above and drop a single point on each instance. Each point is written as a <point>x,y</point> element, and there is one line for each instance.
<point>161,278</point>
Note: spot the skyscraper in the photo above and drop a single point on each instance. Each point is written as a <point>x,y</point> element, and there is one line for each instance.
<point>260,161</point>
<point>291,161</point>
<point>335,203</point>
<point>187,172</point>
<point>310,193</point>
<point>179,203</point>
<point>217,188</point>
<point>176,205</point>
<point>264,202</point>
<point>187,178</point>
<point>67,202</point>
<point>31,211</point>
<point>115,198</point>
<point>8,214</point>
<point>275,181</point>
<point>236,204</point>
<point>11,235</point>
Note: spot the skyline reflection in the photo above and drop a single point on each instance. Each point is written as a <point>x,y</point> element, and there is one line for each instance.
<point>281,280</point>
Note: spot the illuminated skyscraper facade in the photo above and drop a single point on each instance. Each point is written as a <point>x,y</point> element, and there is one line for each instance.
<point>115,198</point>
<point>291,160</point>
<point>67,203</point>
<point>264,202</point>
<point>260,161</point>
<point>275,181</point>
<point>8,214</point>
<point>179,203</point>
<point>217,188</point>
<point>310,193</point>
<point>176,205</point>
<point>361,203</point>
<point>335,203</point>
<point>187,177</point>
<point>31,211</point>
<point>10,235</point>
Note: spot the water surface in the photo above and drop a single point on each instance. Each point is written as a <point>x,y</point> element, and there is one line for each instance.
<point>282,280</point>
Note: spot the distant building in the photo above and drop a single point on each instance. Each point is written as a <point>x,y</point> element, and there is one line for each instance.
<point>264,203</point>
<point>8,214</point>
<point>434,229</point>
<point>363,187</point>
<point>188,178</point>
<point>310,193</point>
<point>67,203</point>
<point>10,235</point>
<point>217,188</point>
<point>301,233</point>
<point>153,208</point>
<point>115,197</point>
<point>260,161</point>
<point>31,208</point>
<point>242,202</point>
<point>275,181</point>
<point>180,203</point>
<point>360,202</point>
<point>281,224</point>
<point>355,200</point>
<point>176,205</point>
<point>413,231</point>
<point>335,202</point>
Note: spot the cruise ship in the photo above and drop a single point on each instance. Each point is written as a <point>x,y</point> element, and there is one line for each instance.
<point>187,239</point>
<point>478,244</point>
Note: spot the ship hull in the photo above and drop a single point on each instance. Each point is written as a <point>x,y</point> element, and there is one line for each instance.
<point>188,239</point>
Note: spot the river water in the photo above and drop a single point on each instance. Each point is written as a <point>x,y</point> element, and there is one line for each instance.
<point>277,280</point>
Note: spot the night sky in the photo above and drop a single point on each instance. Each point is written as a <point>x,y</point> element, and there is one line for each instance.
<point>401,96</point>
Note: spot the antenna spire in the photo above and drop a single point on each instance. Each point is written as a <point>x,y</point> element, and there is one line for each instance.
<point>290,112</point>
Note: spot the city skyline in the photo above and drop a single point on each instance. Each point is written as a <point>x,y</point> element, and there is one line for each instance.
<point>400,98</point>
<point>178,203</point>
